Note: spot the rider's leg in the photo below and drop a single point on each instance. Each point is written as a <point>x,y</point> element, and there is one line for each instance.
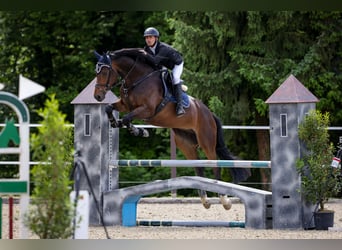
<point>177,86</point>
<point>178,94</point>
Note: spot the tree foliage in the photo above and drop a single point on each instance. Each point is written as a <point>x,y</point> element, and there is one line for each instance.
<point>233,60</point>
<point>240,58</point>
<point>319,182</point>
<point>51,211</point>
<point>55,48</point>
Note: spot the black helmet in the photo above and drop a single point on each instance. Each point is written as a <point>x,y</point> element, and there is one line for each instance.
<point>151,32</point>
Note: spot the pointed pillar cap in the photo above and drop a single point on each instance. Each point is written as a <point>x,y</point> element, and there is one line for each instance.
<point>292,91</point>
<point>87,96</point>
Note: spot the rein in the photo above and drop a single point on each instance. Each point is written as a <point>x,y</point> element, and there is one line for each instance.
<point>122,82</point>
<point>126,88</point>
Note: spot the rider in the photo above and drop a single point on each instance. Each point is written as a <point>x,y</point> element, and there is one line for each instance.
<point>168,57</point>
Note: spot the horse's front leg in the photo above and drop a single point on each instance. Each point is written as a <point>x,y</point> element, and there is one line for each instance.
<point>117,106</point>
<point>137,131</point>
<point>113,122</point>
<point>127,121</point>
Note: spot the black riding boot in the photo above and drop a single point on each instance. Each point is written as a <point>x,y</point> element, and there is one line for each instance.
<point>178,94</point>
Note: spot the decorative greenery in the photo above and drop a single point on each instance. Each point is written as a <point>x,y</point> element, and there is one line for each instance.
<point>51,211</point>
<point>319,181</point>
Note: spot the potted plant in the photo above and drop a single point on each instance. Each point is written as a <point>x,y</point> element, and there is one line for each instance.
<point>318,177</point>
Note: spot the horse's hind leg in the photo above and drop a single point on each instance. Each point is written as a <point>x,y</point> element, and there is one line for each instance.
<point>208,144</point>
<point>187,144</point>
<point>202,193</point>
<point>225,201</point>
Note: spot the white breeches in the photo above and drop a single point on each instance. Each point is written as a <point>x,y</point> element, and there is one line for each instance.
<point>176,73</point>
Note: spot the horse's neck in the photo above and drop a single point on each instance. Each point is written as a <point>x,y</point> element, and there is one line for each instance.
<point>136,70</point>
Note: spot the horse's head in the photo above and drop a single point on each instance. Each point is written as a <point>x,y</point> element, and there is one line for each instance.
<point>106,76</point>
<point>9,133</point>
<point>127,64</point>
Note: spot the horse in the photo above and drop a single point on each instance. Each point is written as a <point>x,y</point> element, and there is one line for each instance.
<point>145,95</point>
<point>9,133</point>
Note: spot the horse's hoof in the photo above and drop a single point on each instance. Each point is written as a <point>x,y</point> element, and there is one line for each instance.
<point>206,205</point>
<point>227,206</point>
<point>134,131</point>
<point>205,202</point>
<point>226,202</point>
<point>145,133</point>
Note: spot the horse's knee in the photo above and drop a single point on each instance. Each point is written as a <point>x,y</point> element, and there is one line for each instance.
<point>109,109</point>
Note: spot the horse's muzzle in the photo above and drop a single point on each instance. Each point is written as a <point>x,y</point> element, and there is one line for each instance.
<point>99,97</point>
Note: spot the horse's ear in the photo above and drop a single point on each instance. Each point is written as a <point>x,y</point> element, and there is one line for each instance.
<point>105,58</point>
<point>98,56</point>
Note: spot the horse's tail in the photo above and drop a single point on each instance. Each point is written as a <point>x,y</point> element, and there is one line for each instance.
<point>238,174</point>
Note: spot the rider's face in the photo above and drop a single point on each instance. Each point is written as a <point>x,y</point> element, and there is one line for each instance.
<point>150,40</point>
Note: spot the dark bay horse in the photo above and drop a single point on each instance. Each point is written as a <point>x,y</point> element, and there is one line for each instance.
<point>143,96</point>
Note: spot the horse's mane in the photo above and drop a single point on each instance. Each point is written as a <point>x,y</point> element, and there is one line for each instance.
<point>134,53</point>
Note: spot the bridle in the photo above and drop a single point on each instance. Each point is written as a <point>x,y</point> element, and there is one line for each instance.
<point>98,68</point>
<point>121,80</point>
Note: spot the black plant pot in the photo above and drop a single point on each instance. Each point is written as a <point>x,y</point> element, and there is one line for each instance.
<point>324,219</point>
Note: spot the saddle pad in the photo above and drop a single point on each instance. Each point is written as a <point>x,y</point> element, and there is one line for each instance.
<point>185,100</point>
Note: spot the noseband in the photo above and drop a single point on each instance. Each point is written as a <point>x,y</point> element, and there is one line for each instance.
<point>98,68</point>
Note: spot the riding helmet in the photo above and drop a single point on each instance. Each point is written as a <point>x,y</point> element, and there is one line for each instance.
<point>151,32</point>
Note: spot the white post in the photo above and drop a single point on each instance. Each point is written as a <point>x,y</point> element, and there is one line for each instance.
<point>82,214</point>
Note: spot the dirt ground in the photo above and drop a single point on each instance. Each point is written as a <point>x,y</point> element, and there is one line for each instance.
<point>192,210</point>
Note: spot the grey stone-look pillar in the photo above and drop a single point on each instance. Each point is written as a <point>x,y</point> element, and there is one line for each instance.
<point>99,144</point>
<point>287,106</point>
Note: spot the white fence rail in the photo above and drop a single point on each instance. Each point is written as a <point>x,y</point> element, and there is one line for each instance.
<point>151,126</point>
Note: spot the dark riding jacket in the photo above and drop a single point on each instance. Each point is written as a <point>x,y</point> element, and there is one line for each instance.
<point>165,55</point>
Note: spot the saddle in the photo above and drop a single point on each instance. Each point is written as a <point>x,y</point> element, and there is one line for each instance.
<point>168,93</point>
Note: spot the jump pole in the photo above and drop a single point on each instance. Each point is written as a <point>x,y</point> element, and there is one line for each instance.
<point>190,163</point>
<point>181,223</point>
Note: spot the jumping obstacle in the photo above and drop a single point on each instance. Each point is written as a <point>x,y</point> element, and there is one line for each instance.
<point>181,223</point>
<point>127,198</point>
<point>288,106</point>
<point>120,205</point>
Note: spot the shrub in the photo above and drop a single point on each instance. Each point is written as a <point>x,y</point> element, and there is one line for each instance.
<point>50,213</point>
<point>318,179</point>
